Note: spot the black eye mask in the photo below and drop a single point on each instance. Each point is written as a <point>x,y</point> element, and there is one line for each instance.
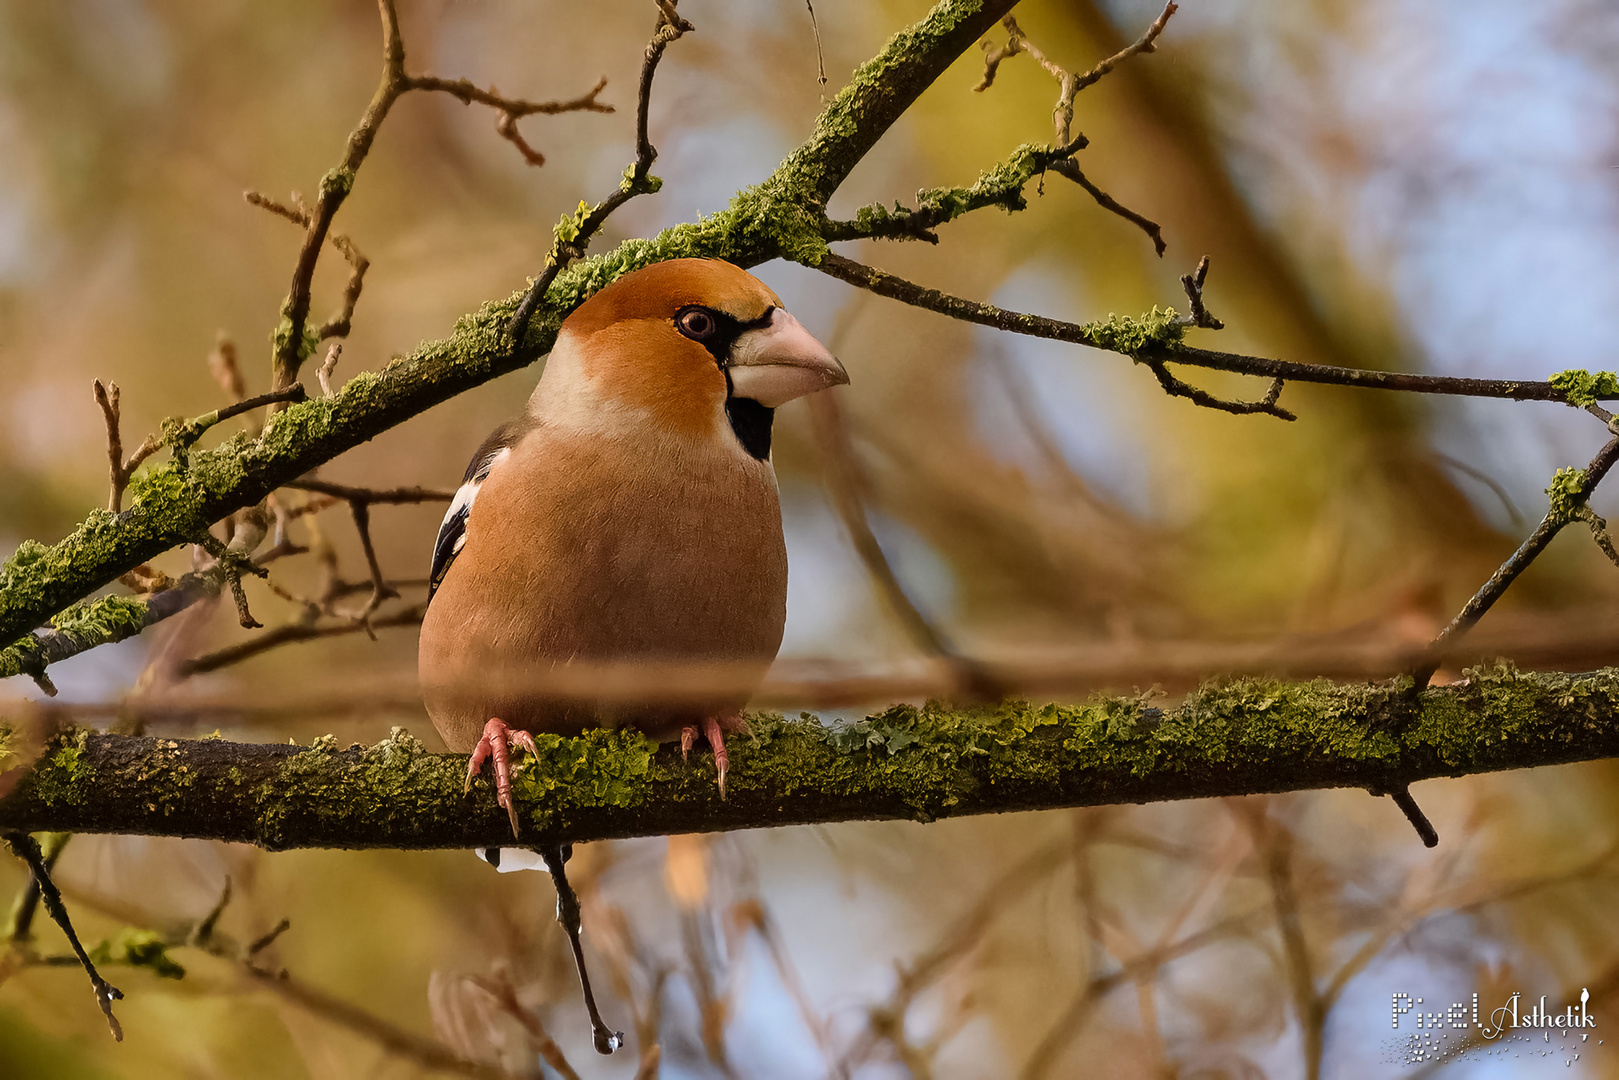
<point>717,332</point>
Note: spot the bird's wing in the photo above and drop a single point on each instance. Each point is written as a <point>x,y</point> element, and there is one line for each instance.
<point>452,534</point>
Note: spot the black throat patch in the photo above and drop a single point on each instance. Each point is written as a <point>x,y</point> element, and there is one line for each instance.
<point>751,422</point>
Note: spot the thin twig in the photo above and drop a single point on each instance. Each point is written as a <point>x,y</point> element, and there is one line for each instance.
<point>338,325</point>
<point>1174,387</point>
<point>1495,486</point>
<point>327,366</point>
<point>1154,232</point>
<point>27,849</point>
<point>896,288</point>
<point>509,110</point>
<point>886,1020</point>
<point>1413,813</point>
<point>348,493</point>
<point>380,589</point>
<point>1062,114</point>
<point>1550,525</point>
<point>180,435</point>
<point>1098,987</point>
<point>291,347</point>
<point>233,561</point>
<point>19,925</point>
<point>119,469</point>
<point>293,633</point>
<point>1143,44</point>
<point>571,242</point>
<point>1018,42</point>
<point>1193,284</point>
<point>1277,846</point>
<point>1599,532</point>
<point>820,59</point>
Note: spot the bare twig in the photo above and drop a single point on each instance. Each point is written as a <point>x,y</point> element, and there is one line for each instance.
<point>233,560</point>
<point>1413,813</point>
<point>348,493</point>
<point>606,1040</point>
<point>180,435</point>
<point>1566,505</point>
<point>327,366</point>
<point>1500,492</point>
<point>510,110</point>
<point>1062,114</point>
<point>27,849</point>
<point>1193,284</point>
<point>293,633</point>
<point>19,924</point>
<point>1276,845</point>
<point>264,941</point>
<point>338,325</point>
<point>572,237</point>
<point>1599,532</point>
<point>380,589</point>
<point>1098,987</point>
<point>291,344</point>
<point>896,288</point>
<point>1143,44</point>
<point>1154,232</point>
<point>119,469</point>
<point>1175,387</point>
<point>885,1021</point>
<point>820,59</point>
<point>222,363</point>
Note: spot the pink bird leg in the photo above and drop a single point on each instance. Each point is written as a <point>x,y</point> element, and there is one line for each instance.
<point>496,743</point>
<point>713,729</point>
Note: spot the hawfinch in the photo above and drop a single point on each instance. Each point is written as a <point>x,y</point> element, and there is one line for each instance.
<point>628,517</point>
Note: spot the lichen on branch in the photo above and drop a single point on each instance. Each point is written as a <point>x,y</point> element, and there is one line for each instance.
<point>780,217</point>
<point>919,763</point>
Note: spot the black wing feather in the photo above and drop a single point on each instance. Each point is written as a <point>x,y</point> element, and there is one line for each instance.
<point>452,533</point>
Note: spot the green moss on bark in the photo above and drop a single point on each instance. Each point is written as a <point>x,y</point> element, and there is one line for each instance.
<point>173,504</point>
<point>1230,738</point>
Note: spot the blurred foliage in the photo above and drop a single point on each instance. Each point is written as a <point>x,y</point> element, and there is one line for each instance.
<point>1036,500</point>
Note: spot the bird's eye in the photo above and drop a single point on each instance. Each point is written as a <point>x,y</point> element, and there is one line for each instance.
<point>697,324</point>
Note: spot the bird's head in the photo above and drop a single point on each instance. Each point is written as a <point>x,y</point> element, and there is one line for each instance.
<point>694,347</point>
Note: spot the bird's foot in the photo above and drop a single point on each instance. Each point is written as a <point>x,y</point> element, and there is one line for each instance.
<point>713,729</point>
<point>496,743</point>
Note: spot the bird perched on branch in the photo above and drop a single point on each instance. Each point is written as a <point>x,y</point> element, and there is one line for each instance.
<point>628,517</point>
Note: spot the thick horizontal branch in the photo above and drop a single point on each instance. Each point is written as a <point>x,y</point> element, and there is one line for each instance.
<point>1243,737</point>
<point>781,217</point>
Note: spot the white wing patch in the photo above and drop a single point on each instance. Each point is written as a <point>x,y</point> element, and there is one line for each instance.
<point>452,533</point>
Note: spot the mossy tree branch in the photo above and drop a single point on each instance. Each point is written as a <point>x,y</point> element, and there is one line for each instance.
<point>781,217</point>
<point>1238,738</point>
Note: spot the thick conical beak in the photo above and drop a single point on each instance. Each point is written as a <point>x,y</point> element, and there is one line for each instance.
<point>780,361</point>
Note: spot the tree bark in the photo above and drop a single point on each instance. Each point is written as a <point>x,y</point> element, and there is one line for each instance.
<point>176,503</point>
<point>1242,737</point>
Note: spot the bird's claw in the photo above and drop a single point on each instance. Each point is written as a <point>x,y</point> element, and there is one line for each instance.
<point>496,743</point>
<point>713,729</point>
